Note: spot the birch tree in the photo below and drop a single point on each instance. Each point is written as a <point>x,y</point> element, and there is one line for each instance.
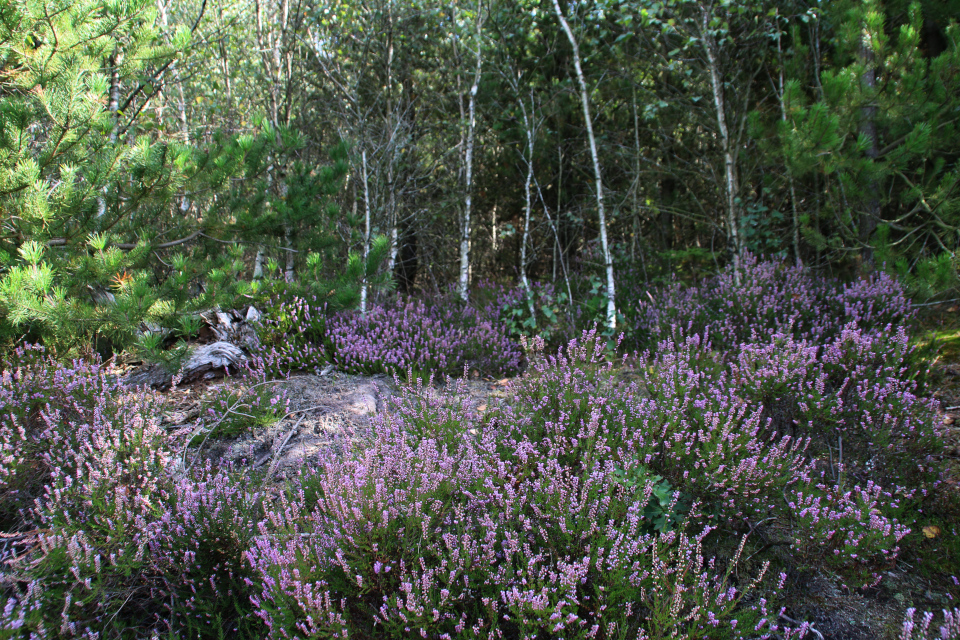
<point>611,316</point>
<point>529,129</point>
<point>728,148</point>
<point>471,127</point>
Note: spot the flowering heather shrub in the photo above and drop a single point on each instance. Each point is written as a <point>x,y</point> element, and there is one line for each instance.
<point>773,298</point>
<point>876,399</point>
<point>701,438</point>
<point>846,531</point>
<point>593,503</point>
<point>488,535</point>
<point>390,338</point>
<point>411,335</point>
<point>853,391</point>
<point>67,427</point>
<point>920,629</point>
<point>292,334</point>
<point>783,410</point>
<point>98,451</point>
<point>197,548</point>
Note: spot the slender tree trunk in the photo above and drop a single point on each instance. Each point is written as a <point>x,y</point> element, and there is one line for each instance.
<point>464,284</point>
<point>114,103</point>
<point>729,162</point>
<point>556,236</point>
<point>795,217</point>
<point>288,232</point>
<point>366,233</point>
<point>258,265</point>
<point>637,229</point>
<point>870,209</point>
<point>390,151</point>
<point>113,106</point>
<point>585,100</point>
<point>392,217</point>
<point>527,189</point>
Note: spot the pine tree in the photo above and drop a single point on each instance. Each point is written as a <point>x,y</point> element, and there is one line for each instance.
<point>875,136</point>
<point>110,230</point>
<point>76,179</point>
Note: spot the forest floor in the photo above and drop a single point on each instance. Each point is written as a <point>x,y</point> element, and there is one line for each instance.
<point>325,408</point>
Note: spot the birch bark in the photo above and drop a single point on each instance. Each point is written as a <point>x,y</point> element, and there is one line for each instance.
<point>464,284</point>
<point>734,243</point>
<point>391,150</point>
<point>527,188</point>
<point>366,233</point>
<point>611,320</point>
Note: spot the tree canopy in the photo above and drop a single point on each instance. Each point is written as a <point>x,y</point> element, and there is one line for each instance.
<point>161,157</point>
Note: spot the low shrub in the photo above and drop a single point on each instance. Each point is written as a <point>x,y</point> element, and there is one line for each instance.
<point>766,298</point>
<point>59,422</point>
<point>94,452</point>
<point>409,335</point>
<point>292,333</point>
<point>846,532</point>
<point>393,338</point>
<point>540,517</point>
<point>919,629</point>
<point>665,495</point>
<point>197,547</point>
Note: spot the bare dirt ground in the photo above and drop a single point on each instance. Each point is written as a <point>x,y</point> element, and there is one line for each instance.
<point>324,410</point>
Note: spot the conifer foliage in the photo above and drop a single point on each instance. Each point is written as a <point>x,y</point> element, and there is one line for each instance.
<point>109,224</point>
<point>75,170</point>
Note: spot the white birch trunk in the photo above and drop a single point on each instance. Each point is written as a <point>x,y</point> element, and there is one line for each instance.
<point>366,233</point>
<point>390,152</point>
<point>602,217</point>
<point>527,188</point>
<point>288,235</point>
<point>288,270</point>
<point>258,265</point>
<point>113,106</point>
<point>729,163</point>
<point>464,285</point>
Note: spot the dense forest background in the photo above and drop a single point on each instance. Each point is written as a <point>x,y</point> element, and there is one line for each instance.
<point>163,156</point>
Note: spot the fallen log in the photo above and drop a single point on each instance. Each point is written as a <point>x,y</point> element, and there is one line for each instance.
<point>206,359</point>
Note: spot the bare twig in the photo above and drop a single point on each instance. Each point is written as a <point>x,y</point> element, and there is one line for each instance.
<point>933,304</point>
<point>797,622</point>
<point>276,456</point>
<point>231,409</point>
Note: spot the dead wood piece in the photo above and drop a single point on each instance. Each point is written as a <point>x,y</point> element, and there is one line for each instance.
<point>217,356</point>
<point>175,419</point>
<point>234,326</point>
